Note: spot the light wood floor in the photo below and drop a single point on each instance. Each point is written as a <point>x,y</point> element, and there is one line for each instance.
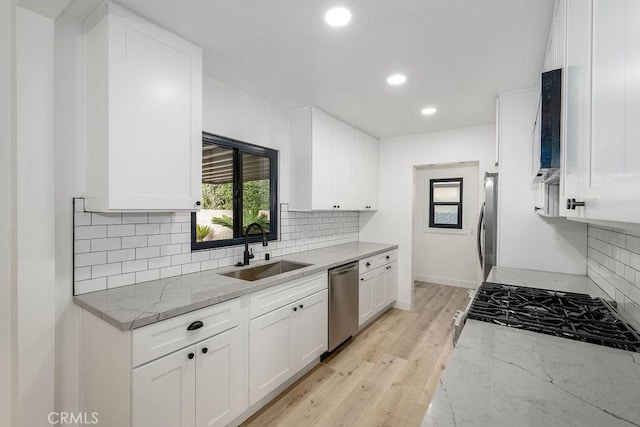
<point>385,377</point>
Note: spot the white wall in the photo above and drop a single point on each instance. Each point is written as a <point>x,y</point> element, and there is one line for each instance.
<point>228,112</point>
<point>392,223</point>
<point>35,218</point>
<point>446,256</point>
<point>525,239</point>
<point>7,218</point>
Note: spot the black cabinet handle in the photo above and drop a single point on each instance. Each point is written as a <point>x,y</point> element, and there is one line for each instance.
<point>191,356</point>
<point>198,203</point>
<point>195,325</point>
<point>361,279</point>
<point>204,350</point>
<point>301,305</point>
<point>295,308</point>
<point>537,209</point>
<point>368,264</point>
<point>572,204</point>
<point>389,268</point>
<point>388,257</point>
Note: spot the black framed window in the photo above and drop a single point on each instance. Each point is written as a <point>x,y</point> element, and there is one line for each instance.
<point>445,203</point>
<point>239,187</point>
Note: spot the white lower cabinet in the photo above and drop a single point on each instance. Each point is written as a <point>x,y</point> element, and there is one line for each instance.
<point>164,391</point>
<point>201,385</point>
<point>378,285</point>
<point>284,341</point>
<point>365,297</point>
<point>200,380</point>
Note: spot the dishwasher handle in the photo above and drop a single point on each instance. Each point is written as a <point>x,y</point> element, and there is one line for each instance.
<point>339,270</point>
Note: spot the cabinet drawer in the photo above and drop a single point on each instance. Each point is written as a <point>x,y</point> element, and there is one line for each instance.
<point>386,258</point>
<point>161,338</point>
<point>275,297</point>
<point>367,264</point>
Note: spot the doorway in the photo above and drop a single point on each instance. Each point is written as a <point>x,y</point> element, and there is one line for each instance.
<point>445,214</point>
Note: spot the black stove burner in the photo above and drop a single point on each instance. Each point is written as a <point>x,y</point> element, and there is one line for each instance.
<point>563,314</point>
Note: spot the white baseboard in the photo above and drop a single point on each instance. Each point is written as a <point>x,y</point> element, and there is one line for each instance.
<point>402,305</point>
<point>446,281</point>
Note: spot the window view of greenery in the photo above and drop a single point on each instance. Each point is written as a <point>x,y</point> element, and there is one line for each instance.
<point>220,166</point>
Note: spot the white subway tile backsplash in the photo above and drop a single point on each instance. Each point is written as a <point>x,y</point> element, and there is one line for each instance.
<point>135,218</point>
<point>164,261</point>
<point>159,240</point>
<point>81,246</point>
<point>122,230</point>
<point>81,218</point>
<point>88,259</point>
<point>92,285</point>
<point>172,227</point>
<point>132,248</point>
<point>170,250</point>
<point>106,218</point>
<point>82,273</point>
<point>105,244</point>
<point>170,271</point>
<point>190,268</point>
<point>159,217</point>
<point>146,229</point>
<point>135,266</point>
<point>180,259</point>
<point>149,252</point>
<point>613,262</point>
<point>147,275</point>
<point>106,270</point>
<point>121,280</point>
<point>134,242</point>
<point>90,232</point>
<point>121,255</point>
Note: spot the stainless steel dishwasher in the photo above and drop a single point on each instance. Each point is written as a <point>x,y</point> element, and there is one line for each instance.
<point>343,303</point>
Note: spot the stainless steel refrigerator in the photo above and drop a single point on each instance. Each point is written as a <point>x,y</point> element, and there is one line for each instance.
<point>488,225</point>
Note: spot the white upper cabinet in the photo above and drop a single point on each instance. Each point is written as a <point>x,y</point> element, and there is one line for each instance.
<point>143,115</point>
<point>601,164</point>
<point>333,166</point>
<point>576,116</point>
<point>366,172</point>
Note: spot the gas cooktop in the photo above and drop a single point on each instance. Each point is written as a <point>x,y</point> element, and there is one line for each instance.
<point>563,314</point>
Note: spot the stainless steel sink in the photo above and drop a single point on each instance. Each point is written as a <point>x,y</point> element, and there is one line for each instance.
<point>267,270</point>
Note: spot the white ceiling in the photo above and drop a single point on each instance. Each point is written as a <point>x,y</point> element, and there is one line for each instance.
<point>457,54</point>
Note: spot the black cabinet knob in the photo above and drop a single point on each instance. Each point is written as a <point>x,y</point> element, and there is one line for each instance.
<point>198,203</point>
<point>191,356</point>
<point>368,264</point>
<point>195,325</point>
<point>301,306</point>
<point>295,308</point>
<point>537,209</point>
<point>388,257</point>
<point>389,268</point>
<point>204,350</point>
<point>361,279</point>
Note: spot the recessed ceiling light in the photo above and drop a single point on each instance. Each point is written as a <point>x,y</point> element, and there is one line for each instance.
<point>428,111</point>
<point>396,79</point>
<point>337,17</point>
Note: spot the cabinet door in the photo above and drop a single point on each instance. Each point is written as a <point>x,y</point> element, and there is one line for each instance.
<point>163,391</point>
<point>342,165</point>
<point>151,159</point>
<point>322,159</point>
<point>577,102</point>
<point>271,357</point>
<point>379,289</point>
<point>614,174</point>
<point>366,307</point>
<point>310,328</point>
<point>560,33</point>
<point>365,172</point>
<point>222,378</point>
<point>391,282</point>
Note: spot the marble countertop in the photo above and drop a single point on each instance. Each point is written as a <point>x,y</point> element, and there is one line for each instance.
<point>134,306</point>
<point>500,376</point>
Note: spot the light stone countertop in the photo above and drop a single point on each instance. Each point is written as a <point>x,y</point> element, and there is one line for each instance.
<point>134,306</point>
<point>500,376</point>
